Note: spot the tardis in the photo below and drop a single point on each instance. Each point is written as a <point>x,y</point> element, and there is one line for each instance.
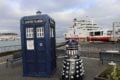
<point>38,45</point>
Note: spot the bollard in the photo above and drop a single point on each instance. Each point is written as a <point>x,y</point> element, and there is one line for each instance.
<point>72,64</point>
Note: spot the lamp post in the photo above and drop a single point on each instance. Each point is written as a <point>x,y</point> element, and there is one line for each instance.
<point>113,31</point>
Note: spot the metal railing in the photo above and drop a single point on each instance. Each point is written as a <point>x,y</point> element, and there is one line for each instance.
<point>100,47</point>
<point>93,50</point>
<point>9,48</point>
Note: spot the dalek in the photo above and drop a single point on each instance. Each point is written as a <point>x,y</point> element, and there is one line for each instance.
<point>72,64</point>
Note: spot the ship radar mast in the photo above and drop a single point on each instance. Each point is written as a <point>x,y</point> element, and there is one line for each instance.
<point>74,22</point>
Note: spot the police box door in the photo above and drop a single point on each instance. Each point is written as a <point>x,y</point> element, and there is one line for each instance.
<point>40,46</point>
<point>30,54</point>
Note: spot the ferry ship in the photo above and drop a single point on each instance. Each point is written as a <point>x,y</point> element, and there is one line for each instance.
<point>86,30</point>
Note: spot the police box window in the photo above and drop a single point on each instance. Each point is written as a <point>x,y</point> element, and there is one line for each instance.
<point>40,32</point>
<point>29,33</point>
<point>51,32</point>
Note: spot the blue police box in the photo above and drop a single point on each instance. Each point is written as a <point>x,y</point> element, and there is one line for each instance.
<point>38,45</point>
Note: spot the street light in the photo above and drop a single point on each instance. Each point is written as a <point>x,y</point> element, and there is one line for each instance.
<point>113,31</point>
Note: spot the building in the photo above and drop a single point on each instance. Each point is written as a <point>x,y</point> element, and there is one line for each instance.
<point>116,28</point>
<point>8,36</point>
<point>116,31</point>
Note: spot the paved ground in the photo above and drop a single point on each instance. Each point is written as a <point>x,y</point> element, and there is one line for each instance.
<point>92,67</point>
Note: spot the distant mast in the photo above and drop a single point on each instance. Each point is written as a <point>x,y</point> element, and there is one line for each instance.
<point>74,22</point>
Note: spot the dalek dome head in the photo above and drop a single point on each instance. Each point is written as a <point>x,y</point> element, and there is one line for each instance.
<point>71,44</point>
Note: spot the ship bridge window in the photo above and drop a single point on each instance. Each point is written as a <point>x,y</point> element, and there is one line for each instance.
<point>109,32</point>
<point>91,34</point>
<point>89,29</point>
<point>98,33</point>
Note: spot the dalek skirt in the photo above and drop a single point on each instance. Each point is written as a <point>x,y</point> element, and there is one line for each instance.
<point>72,69</point>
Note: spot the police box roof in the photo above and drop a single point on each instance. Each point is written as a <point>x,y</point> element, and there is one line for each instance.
<point>37,16</point>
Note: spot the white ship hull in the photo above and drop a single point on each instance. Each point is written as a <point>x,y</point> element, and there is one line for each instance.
<point>86,31</point>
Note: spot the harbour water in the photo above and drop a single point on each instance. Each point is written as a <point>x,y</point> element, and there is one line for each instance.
<point>10,43</point>
<point>18,42</point>
<point>6,46</point>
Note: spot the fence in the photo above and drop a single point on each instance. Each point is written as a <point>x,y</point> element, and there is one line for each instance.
<point>93,49</point>
<point>9,48</point>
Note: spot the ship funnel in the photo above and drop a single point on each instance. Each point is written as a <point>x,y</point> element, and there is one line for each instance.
<point>38,12</point>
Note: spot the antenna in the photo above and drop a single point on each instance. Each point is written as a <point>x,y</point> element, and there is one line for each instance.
<point>92,21</point>
<point>74,20</point>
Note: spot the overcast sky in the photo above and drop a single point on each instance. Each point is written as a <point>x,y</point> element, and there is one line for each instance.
<point>104,12</point>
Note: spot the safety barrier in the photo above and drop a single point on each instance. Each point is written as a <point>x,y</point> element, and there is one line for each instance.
<point>9,48</point>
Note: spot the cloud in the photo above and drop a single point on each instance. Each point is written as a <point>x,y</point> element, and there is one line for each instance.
<point>10,14</point>
<point>65,19</point>
<point>50,5</point>
<point>62,11</point>
<point>105,12</point>
<point>67,16</point>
